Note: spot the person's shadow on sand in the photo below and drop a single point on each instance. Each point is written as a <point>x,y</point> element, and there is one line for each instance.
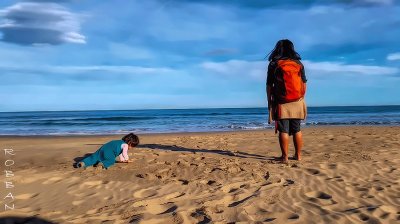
<point>176,148</point>
<point>25,220</point>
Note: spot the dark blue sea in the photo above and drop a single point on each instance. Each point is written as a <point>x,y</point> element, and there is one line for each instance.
<point>181,120</point>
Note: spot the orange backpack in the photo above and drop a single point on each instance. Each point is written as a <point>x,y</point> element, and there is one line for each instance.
<point>288,86</point>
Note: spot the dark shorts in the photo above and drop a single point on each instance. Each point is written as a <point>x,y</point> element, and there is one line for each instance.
<point>291,126</point>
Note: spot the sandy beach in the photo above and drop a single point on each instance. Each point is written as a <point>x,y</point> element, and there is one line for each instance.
<point>348,175</point>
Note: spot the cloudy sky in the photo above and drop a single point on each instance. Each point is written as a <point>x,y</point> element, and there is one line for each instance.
<point>119,54</point>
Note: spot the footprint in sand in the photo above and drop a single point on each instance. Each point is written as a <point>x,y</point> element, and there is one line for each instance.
<point>201,216</point>
<point>288,182</point>
<point>269,219</point>
<point>284,217</point>
<point>332,166</point>
<point>209,182</point>
<point>362,189</point>
<point>294,216</point>
<point>184,182</point>
<point>313,171</point>
<point>141,175</point>
<point>318,194</point>
<point>158,209</point>
<point>363,217</point>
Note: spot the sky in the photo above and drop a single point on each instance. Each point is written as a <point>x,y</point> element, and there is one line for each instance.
<point>120,54</point>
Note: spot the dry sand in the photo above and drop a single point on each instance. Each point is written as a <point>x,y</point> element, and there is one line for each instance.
<point>348,175</point>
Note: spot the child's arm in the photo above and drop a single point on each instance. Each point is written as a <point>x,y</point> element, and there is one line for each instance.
<point>123,157</point>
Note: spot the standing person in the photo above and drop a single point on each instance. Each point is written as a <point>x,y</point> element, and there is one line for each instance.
<point>105,155</point>
<point>286,87</point>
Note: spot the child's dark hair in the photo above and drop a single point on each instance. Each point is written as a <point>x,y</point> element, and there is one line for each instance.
<point>131,139</point>
<point>283,48</point>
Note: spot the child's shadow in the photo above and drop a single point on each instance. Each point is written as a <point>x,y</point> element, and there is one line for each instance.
<point>176,148</point>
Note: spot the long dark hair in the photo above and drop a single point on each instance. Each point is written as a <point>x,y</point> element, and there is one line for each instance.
<point>283,49</point>
<point>131,139</point>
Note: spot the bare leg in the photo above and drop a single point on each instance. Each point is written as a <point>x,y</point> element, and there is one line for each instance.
<point>284,143</point>
<point>298,144</point>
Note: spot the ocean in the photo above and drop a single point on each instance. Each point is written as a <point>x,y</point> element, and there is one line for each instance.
<point>181,120</point>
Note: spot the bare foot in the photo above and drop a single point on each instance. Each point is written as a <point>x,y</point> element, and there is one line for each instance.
<point>280,159</point>
<point>283,159</point>
<point>298,158</point>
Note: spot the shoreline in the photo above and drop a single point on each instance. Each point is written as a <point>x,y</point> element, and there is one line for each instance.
<point>197,132</point>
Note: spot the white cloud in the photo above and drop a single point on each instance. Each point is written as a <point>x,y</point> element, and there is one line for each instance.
<point>341,68</point>
<point>254,69</point>
<point>322,9</point>
<point>257,69</point>
<point>378,2</point>
<point>393,57</point>
<point>29,23</point>
<point>109,68</point>
<point>95,69</point>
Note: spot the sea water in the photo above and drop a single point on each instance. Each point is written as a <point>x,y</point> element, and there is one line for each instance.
<point>181,120</point>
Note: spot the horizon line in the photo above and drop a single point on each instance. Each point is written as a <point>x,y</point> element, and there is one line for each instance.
<point>186,108</point>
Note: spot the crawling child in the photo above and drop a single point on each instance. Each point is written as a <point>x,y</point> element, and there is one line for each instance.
<point>105,156</point>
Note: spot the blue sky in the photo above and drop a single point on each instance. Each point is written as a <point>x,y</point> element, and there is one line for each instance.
<point>119,54</point>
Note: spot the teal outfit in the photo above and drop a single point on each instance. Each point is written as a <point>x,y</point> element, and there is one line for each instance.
<point>105,154</point>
